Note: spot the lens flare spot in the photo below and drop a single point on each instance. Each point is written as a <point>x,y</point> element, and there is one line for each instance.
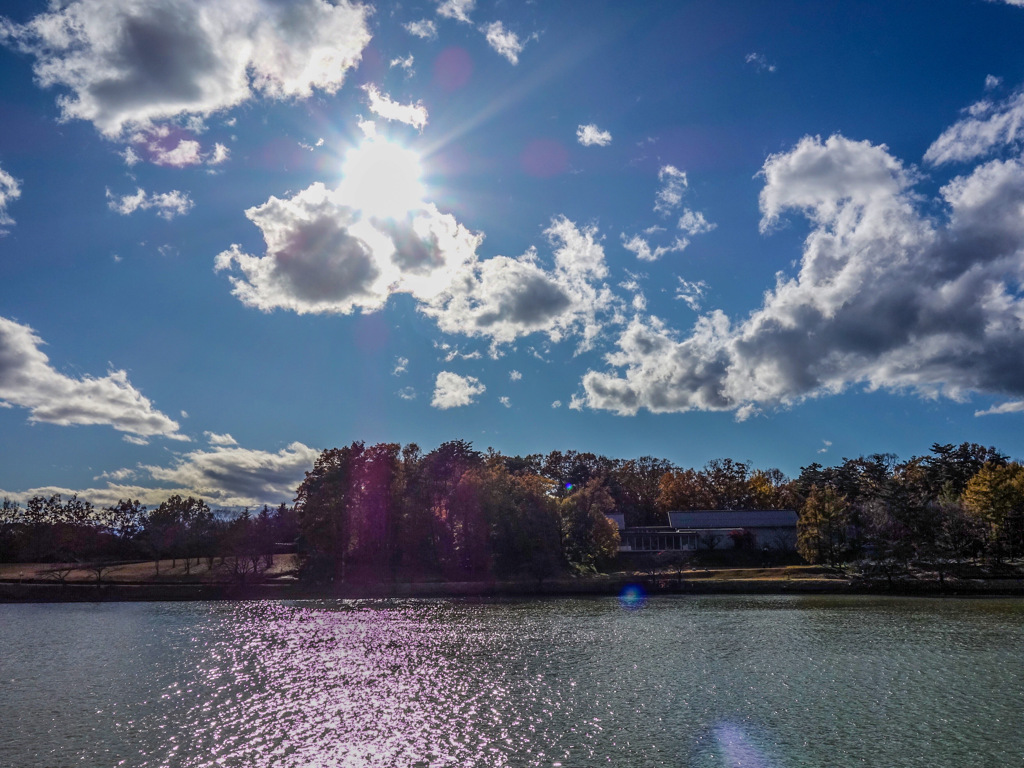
<point>632,597</point>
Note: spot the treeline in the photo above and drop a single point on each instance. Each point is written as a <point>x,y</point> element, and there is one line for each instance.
<point>388,512</point>
<point>958,503</point>
<point>391,512</point>
<point>71,531</point>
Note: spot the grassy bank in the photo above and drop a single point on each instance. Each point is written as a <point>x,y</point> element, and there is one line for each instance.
<point>39,582</point>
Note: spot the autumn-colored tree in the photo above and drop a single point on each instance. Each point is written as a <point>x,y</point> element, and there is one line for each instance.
<point>821,526</point>
<point>995,497</point>
<point>684,489</point>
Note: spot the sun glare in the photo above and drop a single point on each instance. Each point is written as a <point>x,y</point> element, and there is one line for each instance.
<point>383,179</point>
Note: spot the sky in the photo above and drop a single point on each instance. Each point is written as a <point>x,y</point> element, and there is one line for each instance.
<point>234,233</point>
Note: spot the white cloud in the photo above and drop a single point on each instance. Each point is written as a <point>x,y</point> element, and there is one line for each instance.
<point>504,298</point>
<point>885,296</point>
<point>591,136</point>
<point>515,375</point>
<point>407,393</point>
<point>760,62</point>
<point>673,185</point>
<point>122,63</point>
<point>186,152</point>
<point>167,204</point>
<point>691,293</point>
<point>456,9</point>
<point>505,401</point>
<point>454,391</point>
<point>401,366</point>
<point>556,404</point>
<point>986,127</point>
<point>28,380</point>
<point>992,82</point>
<point>826,444</point>
<point>410,114</point>
<point>1013,406</point>
<point>9,190</point>
<point>324,256</point>
<point>233,476</point>
<point>220,440</point>
<point>643,251</point>
<point>694,223</point>
<point>406,64</point>
<point>224,476</point>
<point>424,29</point>
<point>220,154</point>
<point>503,41</point>
<point>131,157</point>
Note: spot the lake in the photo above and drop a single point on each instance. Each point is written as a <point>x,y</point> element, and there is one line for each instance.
<point>758,682</point>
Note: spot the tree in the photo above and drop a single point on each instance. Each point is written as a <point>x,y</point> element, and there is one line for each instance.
<point>995,497</point>
<point>684,489</point>
<point>590,538</point>
<point>178,527</point>
<point>635,487</point>
<point>821,526</point>
<point>322,506</point>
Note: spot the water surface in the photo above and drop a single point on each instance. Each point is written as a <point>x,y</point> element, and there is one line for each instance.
<point>766,681</point>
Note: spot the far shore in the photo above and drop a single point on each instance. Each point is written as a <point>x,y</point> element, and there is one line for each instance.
<point>139,581</point>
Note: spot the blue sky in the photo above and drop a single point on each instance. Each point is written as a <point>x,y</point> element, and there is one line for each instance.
<point>236,232</point>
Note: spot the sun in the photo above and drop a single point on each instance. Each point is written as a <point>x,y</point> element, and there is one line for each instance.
<point>382,178</point>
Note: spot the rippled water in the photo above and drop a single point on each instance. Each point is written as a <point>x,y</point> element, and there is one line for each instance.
<point>756,682</point>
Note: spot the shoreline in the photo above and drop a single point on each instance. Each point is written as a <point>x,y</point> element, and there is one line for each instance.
<point>34,591</point>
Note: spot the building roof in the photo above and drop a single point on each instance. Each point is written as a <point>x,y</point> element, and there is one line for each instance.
<point>733,518</point>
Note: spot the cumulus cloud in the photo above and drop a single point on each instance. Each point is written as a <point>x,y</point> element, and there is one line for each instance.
<point>230,475</point>
<point>505,298</point>
<point>885,296</point>
<point>324,256</point>
<point>224,476</point>
<point>986,127</point>
<point>122,63</point>
<point>9,190</point>
<point>592,136</point>
<point>454,391</point>
<point>167,204</point>
<point>220,154</point>
<point>410,114</point>
<point>515,375</point>
<point>641,247</point>
<point>407,393</point>
<point>504,41</point>
<point>505,400</point>
<point>424,29</point>
<point>694,223</point>
<point>186,152</point>
<point>28,380</point>
<point>456,9</point>
<point>673,185</point>
<point>401,366</point>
